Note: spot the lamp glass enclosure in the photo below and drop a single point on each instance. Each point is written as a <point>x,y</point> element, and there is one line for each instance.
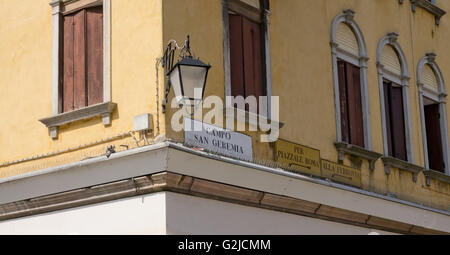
<point>175,81</point>
<point>186,77</point>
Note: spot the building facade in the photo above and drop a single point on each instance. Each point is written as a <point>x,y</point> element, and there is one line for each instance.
<point>354,92</point>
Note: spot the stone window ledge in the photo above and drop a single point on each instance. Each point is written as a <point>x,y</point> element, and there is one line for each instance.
<point>431,174</point>
<point>390,162</point>
<point>353,150</point>
<point>103,109</point>
<point>428,6</point>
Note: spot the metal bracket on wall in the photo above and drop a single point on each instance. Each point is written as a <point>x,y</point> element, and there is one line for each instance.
<point>167,61</point>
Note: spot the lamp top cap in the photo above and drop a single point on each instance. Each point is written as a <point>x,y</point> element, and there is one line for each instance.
<point>189,61</point>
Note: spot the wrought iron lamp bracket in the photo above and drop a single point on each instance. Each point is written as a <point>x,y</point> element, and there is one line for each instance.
<point>167,62</point>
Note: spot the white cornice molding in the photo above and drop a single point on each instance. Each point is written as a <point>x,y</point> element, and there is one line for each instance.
<point>177,183</point>
<point>153,159</point>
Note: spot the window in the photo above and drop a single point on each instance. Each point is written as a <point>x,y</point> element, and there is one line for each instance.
<point>82,58</point>
<point>351,97</point>
<point>350,82</point>
<point>393,76</point>
<point>246,50</point>
<point>433,110</point>
<point>81,79</point>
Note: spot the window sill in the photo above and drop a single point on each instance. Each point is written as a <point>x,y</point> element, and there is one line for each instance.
<point>353,150</point>
<point>104,110</point>
<point>430,7</point>
<point>431,174</point>
<point>390,162</point>
<point>250,118</point>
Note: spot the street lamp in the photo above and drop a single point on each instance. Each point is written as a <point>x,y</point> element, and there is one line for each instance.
<point>187,76</point>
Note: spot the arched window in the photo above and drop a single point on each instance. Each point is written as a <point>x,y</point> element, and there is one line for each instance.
<point>432,100</point>
<point>393,77</point>
<point>349,59</point>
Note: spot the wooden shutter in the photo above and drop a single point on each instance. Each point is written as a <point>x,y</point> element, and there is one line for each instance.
<point>68,62</point>
<point>352,125</point>
<point>79,49</point>
<point>387,110</point>
<point>252,58</point>
<point>236,56</point>
<point>343,102</point>
<point>94,55</point>
<point>246,57</point>
<point>395,121</point>
<point>355,105</point>
<point>83,59</point>
<point>398,123</point>
<point>434,142</point>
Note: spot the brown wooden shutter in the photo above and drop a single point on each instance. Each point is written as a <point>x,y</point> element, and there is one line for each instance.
<point>343,102</point>
<point>236,56</point>
<point>434,142</point>
<point>94,55</point>
<point>79,48</point>
<point>252,58</point>
<point>68,62</point>
<point>83,59</point>
<point>395,121</point>
<point>398,123</point>
<point>355,105</point>
<point>387,110</point>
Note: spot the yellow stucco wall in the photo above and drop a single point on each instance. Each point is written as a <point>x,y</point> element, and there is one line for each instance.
<point>301,72</point>
<point>25,68</point>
